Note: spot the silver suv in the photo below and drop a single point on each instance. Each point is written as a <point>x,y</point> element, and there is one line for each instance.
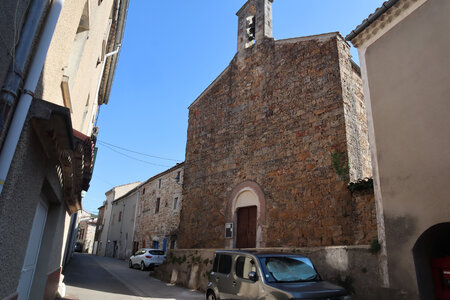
<point>258,275</point>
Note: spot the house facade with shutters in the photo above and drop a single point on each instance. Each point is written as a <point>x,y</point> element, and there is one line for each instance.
<point>105,216</point>
<point>122,225</point>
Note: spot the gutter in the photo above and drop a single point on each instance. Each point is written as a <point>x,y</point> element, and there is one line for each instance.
<point>23,106</point>
<point>372,18</point>
<point>108,76</point>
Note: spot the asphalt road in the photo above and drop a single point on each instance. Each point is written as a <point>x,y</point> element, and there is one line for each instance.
<point>96,277</point>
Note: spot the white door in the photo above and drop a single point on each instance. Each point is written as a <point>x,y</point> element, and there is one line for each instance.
<point>31,256</point>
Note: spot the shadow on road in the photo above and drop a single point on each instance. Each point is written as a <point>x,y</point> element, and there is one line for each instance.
<point>84,272</point>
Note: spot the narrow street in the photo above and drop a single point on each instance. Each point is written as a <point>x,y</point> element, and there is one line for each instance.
<point>96,277</point>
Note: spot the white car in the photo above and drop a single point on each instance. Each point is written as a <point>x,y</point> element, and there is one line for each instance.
<point>147,258</point>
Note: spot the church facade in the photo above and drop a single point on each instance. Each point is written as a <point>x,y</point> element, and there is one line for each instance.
<point>273,144</point>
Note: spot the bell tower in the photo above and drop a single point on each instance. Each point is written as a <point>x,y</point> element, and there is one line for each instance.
<point>254,23</point>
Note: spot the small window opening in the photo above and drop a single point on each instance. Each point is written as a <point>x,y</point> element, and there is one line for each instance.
<point>158,201</point>
<point>250,31</point>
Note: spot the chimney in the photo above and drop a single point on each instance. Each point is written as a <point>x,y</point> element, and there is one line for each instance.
<point>254,23</point>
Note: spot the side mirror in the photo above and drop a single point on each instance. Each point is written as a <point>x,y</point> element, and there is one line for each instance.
<point>253,276</point>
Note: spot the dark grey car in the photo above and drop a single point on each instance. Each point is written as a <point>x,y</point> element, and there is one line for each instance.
<point>257,275</point>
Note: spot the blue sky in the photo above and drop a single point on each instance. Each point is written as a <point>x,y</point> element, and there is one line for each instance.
<point>172,50</point>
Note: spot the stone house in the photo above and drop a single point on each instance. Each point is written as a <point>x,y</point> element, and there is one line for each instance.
<point>57,65</point>
<point>98,229</point>
<point>403,47</point>
<point>104,222</point>
<point>273,143</point>
<point>122,224</point>
<point>86,234</point>
<point>158,215</point>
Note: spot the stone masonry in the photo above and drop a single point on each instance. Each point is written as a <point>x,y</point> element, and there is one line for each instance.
<point>158,220</point>
<point>274,119</point>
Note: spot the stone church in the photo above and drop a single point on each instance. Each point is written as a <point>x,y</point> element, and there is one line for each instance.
<point>275,142</point>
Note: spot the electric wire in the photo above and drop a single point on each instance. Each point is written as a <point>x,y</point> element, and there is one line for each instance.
<point>140,153</point>
<point>144,161</point>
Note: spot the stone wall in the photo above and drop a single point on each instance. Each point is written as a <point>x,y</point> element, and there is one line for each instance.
<point>364,216</point>
<point>358,151</point>
<point>156,226</point>
<point>274,117</point>
<point>353,267</point>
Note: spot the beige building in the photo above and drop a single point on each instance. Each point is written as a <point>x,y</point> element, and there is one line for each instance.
<point>105,211</point>
<point>122,223</point>
<point>158,215</point>
<point>404,51</point>
<point>57,65</point>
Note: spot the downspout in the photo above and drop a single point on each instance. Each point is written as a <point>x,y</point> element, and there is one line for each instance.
<point>14,79</point>
<point>21,112</point>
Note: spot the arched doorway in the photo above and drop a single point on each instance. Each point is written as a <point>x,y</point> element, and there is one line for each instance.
<point>432,261</point>
<point>247,212</point>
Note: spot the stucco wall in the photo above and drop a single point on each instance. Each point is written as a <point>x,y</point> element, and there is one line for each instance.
<point>122,231</point>
<point>30,172</point>
<point>409,96</point>
<point>111,195</point>
<point>58,55</point>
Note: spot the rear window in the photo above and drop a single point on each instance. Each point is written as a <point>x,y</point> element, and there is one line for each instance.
<point>222,264</point>
<point>156,252</point>
<point>225,264</point>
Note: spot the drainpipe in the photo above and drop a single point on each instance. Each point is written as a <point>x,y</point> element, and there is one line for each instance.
<point>21,112</point>
<point>14,79</point>
<point>113,52</point>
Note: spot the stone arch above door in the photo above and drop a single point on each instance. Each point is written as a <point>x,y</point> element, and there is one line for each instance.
<point>246,194</point>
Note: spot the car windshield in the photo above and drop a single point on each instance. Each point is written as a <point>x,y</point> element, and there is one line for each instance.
<point>290,269</point>
<point>156,252</point>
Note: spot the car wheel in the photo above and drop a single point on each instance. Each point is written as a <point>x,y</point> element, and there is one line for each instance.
<point>142,266</point>
<point>130,264</point>
<point>211,296</point>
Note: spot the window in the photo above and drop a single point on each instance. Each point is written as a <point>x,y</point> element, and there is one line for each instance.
<point>155,245</point>
<point>175,203</point>
<point>216,263</point>
<point>143,191</point>
<point>159,183</point>
<point>177,179</point>
<point>172,244</point>
<point>222,263</point>
<point>289,269</point>
<point>120,216</point>
<point>244,265</point>
<point>158,201</point>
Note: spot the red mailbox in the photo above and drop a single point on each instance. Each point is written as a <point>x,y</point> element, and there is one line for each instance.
<point>441,277</point>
